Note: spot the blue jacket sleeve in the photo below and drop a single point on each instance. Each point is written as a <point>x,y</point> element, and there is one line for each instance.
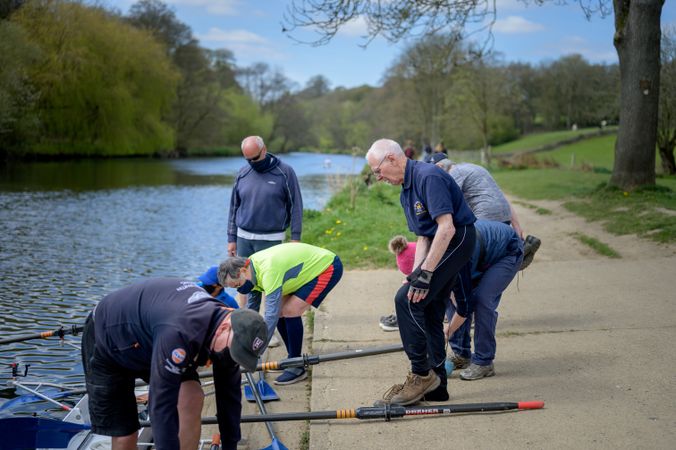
<point>273,307</point>
<point>232,214</point>
<point>296,206</point>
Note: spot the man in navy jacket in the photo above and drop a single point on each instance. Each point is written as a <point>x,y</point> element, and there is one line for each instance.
<point>161,330</point>
<point>265,201</point>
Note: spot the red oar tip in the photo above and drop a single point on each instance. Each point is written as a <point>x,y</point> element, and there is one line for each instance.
<point>531,405</point>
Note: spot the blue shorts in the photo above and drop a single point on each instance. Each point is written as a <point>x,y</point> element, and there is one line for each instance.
<point>316,290</point>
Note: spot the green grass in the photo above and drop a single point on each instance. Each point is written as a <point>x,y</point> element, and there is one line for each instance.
<point>360,234</point>
<point>536,140</point>
<point>538,210</point>
<point>598,152</point>
<point>650,213</point>
<point>548,184</point>
<point>596,245</point>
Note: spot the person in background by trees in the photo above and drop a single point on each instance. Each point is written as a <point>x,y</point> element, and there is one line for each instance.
<point>410,151</point>
<point>265,201</point>
<point>427,151</point>
<point>441,148</point>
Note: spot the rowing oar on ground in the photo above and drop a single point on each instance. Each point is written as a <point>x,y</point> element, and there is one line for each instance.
<point>310,360</point>
<point>47,431</point>
<point>385,412</point>
<point>60,332</point>
<point>276,444</point>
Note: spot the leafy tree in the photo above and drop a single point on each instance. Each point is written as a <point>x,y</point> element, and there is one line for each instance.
<point>636,39</point>
<point>428,64</point>
<point>18,117</point>
<point>103,86</point>
<point>666,131</point>
<point>158,19</point>
<point>245,117</point>
<point>7,7</point>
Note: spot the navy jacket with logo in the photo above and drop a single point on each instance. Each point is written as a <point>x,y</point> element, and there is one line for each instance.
<point>429,192</point>
<point>159,328</point>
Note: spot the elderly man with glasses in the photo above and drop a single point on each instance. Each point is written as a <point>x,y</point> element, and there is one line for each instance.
<point>437,213</point>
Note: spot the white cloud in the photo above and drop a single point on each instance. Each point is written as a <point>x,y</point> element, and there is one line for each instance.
<point>516,25</point>
<point>593,53</point>
<point>218,7</point>
<point>232,37</point>
<point>247,46</point>
<point>354,28</point>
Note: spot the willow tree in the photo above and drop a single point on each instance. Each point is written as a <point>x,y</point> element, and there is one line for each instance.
<point>103,84</point>
<point>636,39</point>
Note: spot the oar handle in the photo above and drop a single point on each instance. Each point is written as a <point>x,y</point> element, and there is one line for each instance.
<point>60,332</point>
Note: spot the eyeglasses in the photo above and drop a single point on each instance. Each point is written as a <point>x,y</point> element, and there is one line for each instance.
<point>255,158</point>
<point>376,171</point>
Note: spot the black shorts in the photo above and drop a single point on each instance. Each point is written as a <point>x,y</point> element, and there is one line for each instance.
<point>112,401</point>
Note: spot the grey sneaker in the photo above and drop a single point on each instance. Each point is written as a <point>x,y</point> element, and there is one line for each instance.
<point>389,323</point>
<point>459,362</point>
<point>476,372</point>
<point>530,245</point>
<point>412,390</point>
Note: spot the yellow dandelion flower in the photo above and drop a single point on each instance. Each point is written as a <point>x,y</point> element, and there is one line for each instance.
<point>366,247</point>
<point>338,233</point>
<point>338,221</point>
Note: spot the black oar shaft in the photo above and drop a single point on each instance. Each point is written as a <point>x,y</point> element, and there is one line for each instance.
<point>60,332</point>
<point>308,360</point>
<point>259,402</point>
<point>385,412</point>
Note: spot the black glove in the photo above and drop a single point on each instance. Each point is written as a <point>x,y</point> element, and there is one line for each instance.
<point>420,282</point>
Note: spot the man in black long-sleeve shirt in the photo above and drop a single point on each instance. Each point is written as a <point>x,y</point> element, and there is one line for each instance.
<point>161,330</point>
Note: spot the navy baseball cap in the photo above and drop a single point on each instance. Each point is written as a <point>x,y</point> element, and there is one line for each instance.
<point>436,157</point>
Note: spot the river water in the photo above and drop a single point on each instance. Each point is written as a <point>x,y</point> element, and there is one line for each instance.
<point>70,232</point>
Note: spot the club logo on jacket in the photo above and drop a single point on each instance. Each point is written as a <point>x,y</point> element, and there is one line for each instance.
<point>419,208</point>
<point>178,355</point>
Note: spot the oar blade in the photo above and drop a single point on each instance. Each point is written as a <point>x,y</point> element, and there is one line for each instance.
<point>275,445</point>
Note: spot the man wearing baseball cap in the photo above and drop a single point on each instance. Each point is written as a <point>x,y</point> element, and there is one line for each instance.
<point>162,330</point>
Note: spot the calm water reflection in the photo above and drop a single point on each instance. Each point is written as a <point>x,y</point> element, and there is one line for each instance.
<point>72,231</point>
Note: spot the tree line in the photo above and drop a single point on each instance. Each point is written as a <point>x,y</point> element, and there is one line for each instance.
<point>78,79</point>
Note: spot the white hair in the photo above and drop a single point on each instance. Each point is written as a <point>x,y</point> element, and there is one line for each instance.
<point>257,139</point>
<point>381,147</point>
<point>445,164</point>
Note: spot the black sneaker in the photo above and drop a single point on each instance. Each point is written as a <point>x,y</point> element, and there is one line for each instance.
<point>389,323</point>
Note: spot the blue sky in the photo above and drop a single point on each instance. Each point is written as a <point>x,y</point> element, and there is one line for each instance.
<point>253,31</point>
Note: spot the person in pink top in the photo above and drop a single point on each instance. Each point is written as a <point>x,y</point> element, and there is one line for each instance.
<point>405,253</point>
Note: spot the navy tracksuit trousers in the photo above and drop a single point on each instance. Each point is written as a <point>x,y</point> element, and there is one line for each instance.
<point>421,324</point>
<point>484,302</point>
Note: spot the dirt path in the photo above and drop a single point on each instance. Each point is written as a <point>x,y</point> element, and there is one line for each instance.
<point>591,336</point>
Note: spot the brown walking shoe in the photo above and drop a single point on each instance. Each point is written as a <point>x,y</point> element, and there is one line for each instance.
<point>459,362</point>
<point>415,387</point>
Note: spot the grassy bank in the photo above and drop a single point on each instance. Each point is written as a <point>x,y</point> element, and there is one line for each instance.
<point>357,224</point>
<point>359,221</point>
<point>537,140</point>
